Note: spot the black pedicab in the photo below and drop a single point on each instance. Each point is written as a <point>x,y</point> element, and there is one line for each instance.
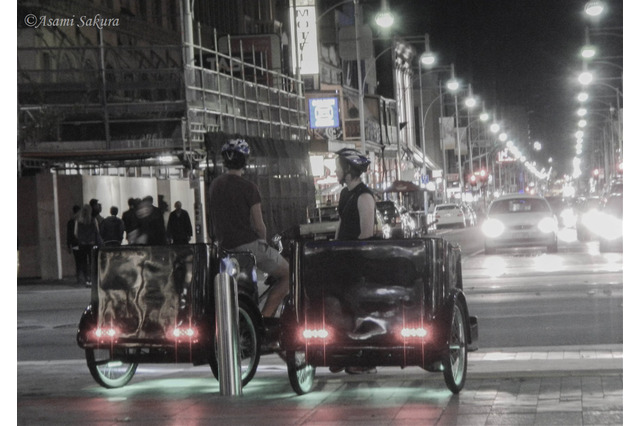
<point>377,303</point>
<point>155,304</point>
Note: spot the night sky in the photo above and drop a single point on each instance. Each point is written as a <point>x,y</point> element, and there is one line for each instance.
<point>517,52</point>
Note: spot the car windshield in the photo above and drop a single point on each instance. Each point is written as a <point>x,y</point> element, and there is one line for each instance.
<point>519,205</point>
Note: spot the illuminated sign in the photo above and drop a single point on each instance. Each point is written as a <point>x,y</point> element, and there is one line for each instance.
<point>304,52</point>
<point>323,112</point>
<point>505,157</point>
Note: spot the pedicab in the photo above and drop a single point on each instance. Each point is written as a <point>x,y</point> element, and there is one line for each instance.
<point>376,303</point>
<point>155,304</point>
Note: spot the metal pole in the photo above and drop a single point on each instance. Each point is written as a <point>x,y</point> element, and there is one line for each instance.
<point>226,297</point>
<point>56,219</point>
<point>459,147</point>
<point>356,14</point>
<point>469,145</point>
<point>424,143</point>
<point>445,197</point>
<point>107,133</point>
<point>189,61</point>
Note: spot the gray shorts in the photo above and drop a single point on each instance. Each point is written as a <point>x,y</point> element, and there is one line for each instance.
<point>268,259</point>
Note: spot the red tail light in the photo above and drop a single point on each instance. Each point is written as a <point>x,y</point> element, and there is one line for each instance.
<point>418,333</point>
<point>315,334</point>
<point>184,334</point>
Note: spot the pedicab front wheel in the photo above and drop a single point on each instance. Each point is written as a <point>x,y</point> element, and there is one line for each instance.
<point>301,373</point>
<point>107,369</point>
<point>455,363</point>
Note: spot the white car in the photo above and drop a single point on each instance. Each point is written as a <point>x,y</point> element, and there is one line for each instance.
<point>449,215</point>
<point>520,220</point>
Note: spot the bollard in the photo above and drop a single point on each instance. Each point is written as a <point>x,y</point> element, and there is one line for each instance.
<point>226,296</point>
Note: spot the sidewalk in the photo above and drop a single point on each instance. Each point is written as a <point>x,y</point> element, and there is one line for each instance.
<point>523,386</point>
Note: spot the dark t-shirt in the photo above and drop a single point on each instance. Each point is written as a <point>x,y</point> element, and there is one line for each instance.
<point>348,211</point>
<point>230,201</point>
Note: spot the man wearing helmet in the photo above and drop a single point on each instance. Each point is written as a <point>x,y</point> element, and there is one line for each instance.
<point>357,215</point>
<point>357,205</point>
<point>236,208</point>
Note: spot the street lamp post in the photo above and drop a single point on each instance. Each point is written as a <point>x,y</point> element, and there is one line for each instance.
<point>453,86</point>
<point>424,116</point>
<point>356,14</point>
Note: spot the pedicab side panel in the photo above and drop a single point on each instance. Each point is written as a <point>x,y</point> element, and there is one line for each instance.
<point>143,293</point>
<point>364,293</point>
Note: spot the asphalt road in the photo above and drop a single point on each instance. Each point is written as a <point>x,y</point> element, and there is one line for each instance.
<point>521,297</point>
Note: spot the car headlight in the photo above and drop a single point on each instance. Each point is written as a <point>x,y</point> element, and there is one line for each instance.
<point>492,228</point>
<point>547,225</point>
<point>610,227</point>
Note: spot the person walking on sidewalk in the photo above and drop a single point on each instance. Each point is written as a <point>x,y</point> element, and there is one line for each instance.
<point>88,235</point>
<point>112,229</point>
<point>73,245</point>
<point>235,205</point>
<point>130,220</point>
<point>151,229</point>
<point>179,229</point>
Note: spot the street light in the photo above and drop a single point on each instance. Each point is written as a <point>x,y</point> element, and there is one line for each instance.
<point>384,18</point>
<point>594,8</point>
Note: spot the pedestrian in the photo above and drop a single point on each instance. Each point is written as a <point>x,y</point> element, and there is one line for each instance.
<point>72,243</point>
<point>236,208</point>
<point>88,234</point>
<point>112,228</point>
<point>130,221</point>
<point>356,208</point>
<point>179,229</point>
<point>150,223</point>
<point>96,209</point>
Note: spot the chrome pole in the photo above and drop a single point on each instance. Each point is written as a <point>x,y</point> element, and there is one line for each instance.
<point>226,297</point>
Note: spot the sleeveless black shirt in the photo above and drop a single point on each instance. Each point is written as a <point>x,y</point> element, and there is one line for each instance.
<point>348,211</point>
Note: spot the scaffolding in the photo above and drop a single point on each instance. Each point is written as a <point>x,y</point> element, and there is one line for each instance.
<point>124,103</point>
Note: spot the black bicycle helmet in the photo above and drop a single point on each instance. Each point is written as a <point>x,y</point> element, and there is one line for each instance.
<point>235,153</point>
<point>353,161</point>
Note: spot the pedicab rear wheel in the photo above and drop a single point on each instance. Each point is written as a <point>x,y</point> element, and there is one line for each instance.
<point>301,373</point>
<point>107,369</point>
<point>249,342</point>
<point>455,363</point>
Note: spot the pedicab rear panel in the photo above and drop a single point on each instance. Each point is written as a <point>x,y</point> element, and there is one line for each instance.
<point>149,296</point>
<point>380,302</point>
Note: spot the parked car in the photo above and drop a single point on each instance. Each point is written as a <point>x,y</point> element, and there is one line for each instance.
<point>610,221</point>
<point>520,220</point>
<point>449,215</point>
<point>391,217</point>
<point>398,221</point>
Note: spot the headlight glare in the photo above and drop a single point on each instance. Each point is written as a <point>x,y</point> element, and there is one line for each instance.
<point>492,228</point>
<point>547,225</point>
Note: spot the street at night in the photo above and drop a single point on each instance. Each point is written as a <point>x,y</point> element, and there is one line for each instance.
<point>322,212</point>
<point>542,328</point>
